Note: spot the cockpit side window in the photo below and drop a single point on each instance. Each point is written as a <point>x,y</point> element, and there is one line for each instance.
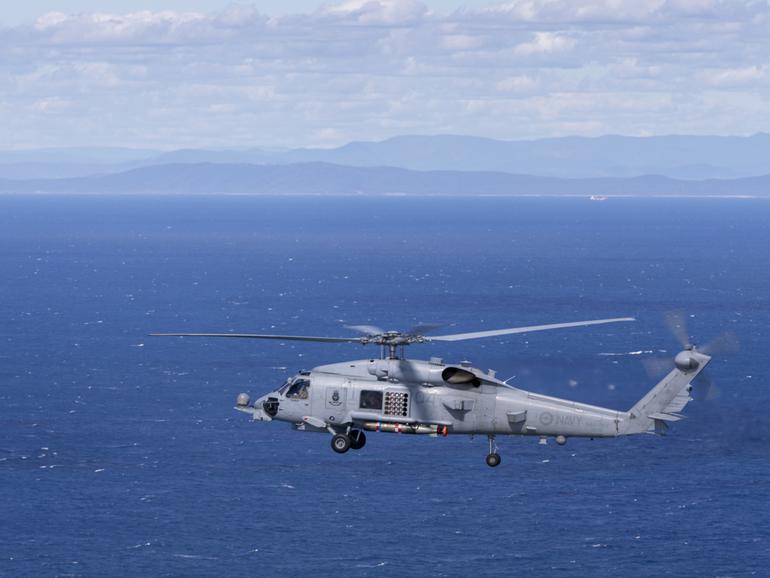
<point>298,389</point>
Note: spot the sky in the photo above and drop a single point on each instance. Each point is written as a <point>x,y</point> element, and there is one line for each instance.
<point>205,73</point>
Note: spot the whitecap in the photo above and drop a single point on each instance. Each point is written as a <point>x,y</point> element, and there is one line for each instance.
<point>614,354</point>
<point>195,557</point>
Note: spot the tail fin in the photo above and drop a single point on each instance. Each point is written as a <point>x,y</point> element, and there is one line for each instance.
<point>664,401</point>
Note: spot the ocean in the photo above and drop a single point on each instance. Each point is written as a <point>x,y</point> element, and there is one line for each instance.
<point>121,454</point>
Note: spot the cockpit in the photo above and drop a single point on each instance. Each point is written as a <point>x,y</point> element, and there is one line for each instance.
<point>297,387</point>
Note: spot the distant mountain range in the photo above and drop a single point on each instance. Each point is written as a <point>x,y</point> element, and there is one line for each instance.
<point>446,164</point>
<point>678,157</point>
<point>326,178</point>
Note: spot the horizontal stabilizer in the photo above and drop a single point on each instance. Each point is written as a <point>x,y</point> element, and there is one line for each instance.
<point>666,416</point>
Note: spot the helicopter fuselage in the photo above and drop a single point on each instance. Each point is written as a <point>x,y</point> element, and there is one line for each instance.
<point>431,397</point>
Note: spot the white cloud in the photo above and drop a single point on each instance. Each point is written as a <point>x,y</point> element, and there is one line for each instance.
<point>544,42</point>
<point>516,84</point>
<point>367,69</point>
<point>460,42</point>
<point>50,105</point>
<point>377,11</point>
<point>104,28</point>
<point>576,11</point>
<point>731,77</point>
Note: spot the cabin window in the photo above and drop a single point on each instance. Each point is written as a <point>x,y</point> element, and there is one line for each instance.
<point>371,399</point>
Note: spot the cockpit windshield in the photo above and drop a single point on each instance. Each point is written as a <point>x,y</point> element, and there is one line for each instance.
<point>298,389</point>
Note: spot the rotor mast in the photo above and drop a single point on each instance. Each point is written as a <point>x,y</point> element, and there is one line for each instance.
<point>392,339</point>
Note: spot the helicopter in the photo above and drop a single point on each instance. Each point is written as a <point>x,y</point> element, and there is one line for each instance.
<point>395,394</point>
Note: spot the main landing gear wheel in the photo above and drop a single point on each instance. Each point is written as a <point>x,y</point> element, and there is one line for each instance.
<point>340,443</point>
<point>493,460</point>
<point>357,439</point>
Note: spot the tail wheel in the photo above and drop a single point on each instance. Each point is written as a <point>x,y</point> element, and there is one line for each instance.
<point>340,443</point>
<point>493,460</point>
<point>357,439</point>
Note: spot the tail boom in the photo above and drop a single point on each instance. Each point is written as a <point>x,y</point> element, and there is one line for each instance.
<point>663,402</point>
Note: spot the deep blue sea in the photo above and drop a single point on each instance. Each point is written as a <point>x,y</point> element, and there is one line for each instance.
<point>121,454</point>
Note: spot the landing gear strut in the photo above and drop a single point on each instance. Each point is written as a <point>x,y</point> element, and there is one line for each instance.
<point>493,458</point>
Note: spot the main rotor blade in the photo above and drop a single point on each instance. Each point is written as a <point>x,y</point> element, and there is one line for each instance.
<point>261,336</point>
<point>366,329</point>
<point>423,328</point>
<point>513,330</point>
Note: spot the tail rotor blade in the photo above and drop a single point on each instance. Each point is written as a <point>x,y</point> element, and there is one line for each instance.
<point>704,389</point>
<point>677,324</point>
<point>725,343</point>
<point>656,367</point>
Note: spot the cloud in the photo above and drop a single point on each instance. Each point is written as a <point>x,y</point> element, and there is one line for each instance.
<point>731,77</point>
<point>521,83</point>
<point>377,11</point>
<point>544,42</point>
<point>570,11</point>
<point>97,28</point>
<point>368,69</point>
<point>50,105</point>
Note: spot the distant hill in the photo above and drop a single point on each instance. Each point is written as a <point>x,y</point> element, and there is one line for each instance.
<point>325,178</point>
<point>684,157</point>
<point>679,157</point>
<point>70,162</point>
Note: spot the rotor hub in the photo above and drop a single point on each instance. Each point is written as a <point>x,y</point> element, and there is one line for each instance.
<point>394,338</point>
<point>685,361</point>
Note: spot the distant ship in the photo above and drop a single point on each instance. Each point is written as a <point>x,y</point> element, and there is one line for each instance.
<point>598,198</point>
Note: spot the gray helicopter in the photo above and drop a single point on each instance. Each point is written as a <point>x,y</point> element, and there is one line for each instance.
<point>399,395</point>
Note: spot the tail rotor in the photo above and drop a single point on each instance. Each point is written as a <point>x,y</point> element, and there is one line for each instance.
<point>676,321</point>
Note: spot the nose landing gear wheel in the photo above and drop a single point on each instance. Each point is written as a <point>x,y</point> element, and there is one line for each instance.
<point>340,443</point>
<point>357,439</point>
<point>493,460</point>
